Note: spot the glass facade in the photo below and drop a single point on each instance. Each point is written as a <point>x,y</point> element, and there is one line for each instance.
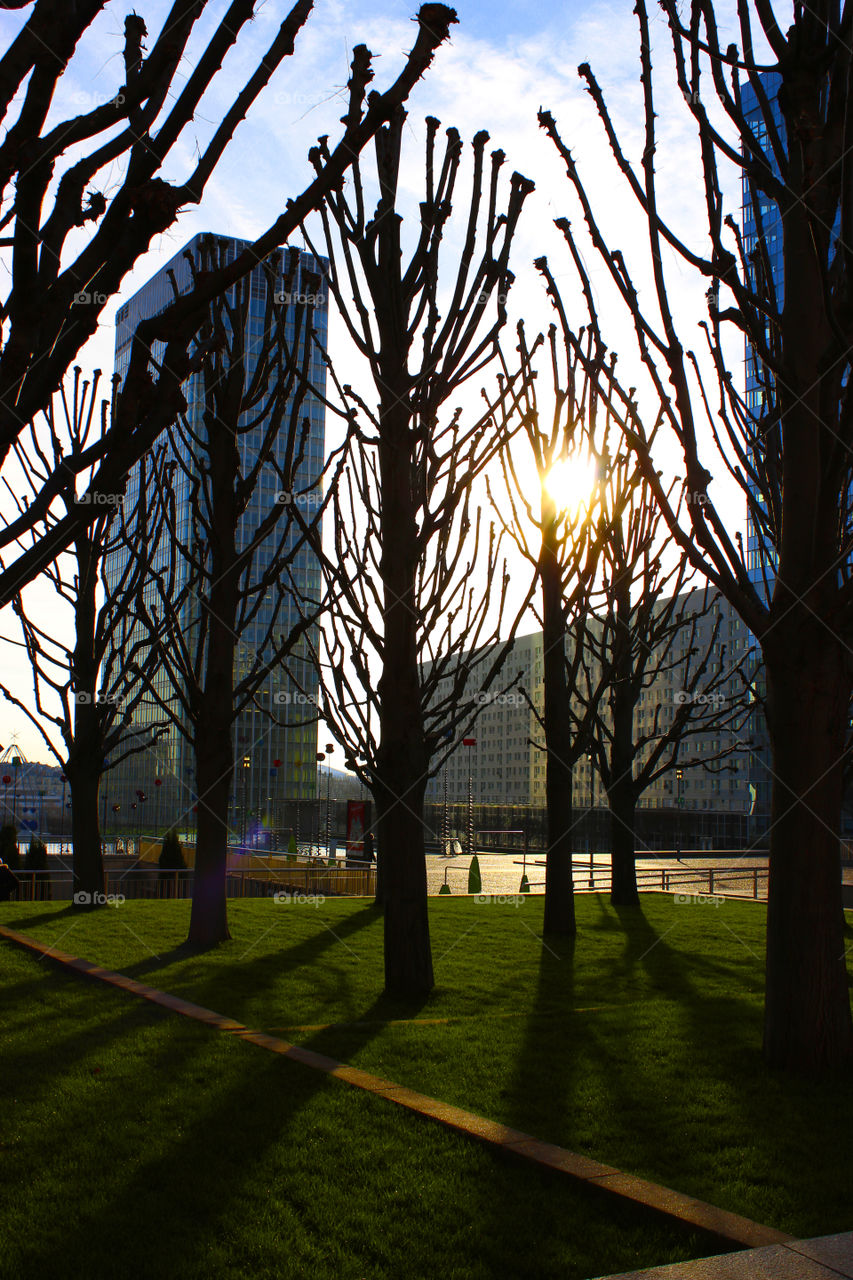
<point>260,786</point>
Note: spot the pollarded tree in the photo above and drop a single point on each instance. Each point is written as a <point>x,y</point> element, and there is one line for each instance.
<point>88,685</point>
<point>412,486</point>
<point>215,610</point>
<point>642,633</point>
<point>560,535</point>
<point>788,445</point>
<point>53,303</point>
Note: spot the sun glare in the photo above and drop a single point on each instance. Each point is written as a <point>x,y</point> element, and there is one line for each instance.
<point>571,482</point>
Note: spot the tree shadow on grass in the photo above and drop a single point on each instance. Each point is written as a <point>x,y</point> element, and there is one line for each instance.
<point>207,1151</point>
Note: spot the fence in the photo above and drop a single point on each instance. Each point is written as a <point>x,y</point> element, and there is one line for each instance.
<point>57,886</point>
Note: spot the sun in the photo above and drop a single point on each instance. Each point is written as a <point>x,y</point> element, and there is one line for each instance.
<point>570,483</point>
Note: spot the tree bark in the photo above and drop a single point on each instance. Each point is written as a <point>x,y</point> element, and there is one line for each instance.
<point>623,886</point>
<point>402,759</point>
<point>621,794</point>
<point>213,712</point>
<point>559,919</point>
<point>807,1022</point>
<point>84,776</point>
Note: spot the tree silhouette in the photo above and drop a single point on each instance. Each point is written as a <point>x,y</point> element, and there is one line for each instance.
<point>789,449</point>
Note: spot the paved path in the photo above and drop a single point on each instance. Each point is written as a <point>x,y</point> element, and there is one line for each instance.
<point>501,874</point>
<point>827,1258</point>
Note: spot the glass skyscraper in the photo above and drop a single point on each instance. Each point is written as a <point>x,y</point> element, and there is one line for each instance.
<point>272,763</point>
<point>760,559</point>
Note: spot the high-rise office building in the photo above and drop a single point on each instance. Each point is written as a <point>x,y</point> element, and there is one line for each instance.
<point>272,763</point>
<point>506,761</point>
<point>761,559</point>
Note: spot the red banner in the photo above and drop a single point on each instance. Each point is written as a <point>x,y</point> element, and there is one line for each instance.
<point>358,820</point>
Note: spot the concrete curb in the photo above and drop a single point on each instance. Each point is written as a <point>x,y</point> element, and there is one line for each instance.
<point>729,1228</point>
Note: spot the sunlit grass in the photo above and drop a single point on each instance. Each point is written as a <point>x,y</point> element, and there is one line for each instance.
<point>640,1047</point>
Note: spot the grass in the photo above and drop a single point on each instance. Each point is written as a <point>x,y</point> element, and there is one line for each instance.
<point>137,1143</point>
<point>639,1047</point>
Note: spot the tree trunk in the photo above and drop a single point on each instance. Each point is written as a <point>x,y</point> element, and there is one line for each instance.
<point>621,794</point>
<point>213,712</point>
<point>87,862</point>
<point>807,1021</point>
<point>214,769</point>
<point>559,920</point>
<point>402,759</point>
<point>623,886</point>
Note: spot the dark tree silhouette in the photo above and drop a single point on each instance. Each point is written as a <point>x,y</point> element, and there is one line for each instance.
<point>86,720</point>
<point>406,593</point>
<point>790,452</point>
<point>562,544</point>
<point>219,576</point>
<point>50,310</point>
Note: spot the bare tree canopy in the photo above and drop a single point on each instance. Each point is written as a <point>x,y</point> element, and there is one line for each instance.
<point>782,128</point>
<point>51,309</point>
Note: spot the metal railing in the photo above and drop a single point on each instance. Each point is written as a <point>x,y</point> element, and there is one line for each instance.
<point>58,886</point>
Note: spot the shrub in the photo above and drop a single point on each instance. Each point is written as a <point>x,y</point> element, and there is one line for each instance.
<point>172,853</point>
<point>9,846</point>
<point>35,858</point>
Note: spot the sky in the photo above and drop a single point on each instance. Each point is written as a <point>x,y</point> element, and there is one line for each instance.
<point>503,62</point>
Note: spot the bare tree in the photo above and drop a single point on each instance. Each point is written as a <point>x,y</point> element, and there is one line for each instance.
<point>225,574</point>
<point>409,492</point>
<point>561,540</point>
<point>641,633</point>
<point>85,720</point>
<point>789,449</point>
<point>50,311</point>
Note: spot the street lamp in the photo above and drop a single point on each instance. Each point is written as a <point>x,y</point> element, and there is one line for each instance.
<point>158,782</point>
<point>589,757</point>
<point>330,746</point>
<point>247,764</point>
<point>63,780</point>
<point>470,743</point>
<point>679,774</point>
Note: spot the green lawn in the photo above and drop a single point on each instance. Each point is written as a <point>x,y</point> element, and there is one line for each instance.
<point>641,1048</point>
